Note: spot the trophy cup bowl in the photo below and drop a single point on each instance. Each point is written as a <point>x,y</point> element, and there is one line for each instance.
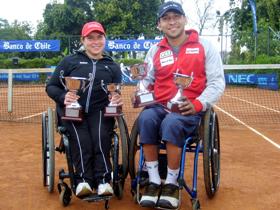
<point>73,111</point>
<point>143,97</point>
<point>113,109</point>
<point>182,81</point>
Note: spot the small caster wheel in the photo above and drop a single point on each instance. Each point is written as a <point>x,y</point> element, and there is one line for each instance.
<point>65,194</point>
<point>135,198</point>
<point>195,204</point>
<point>107,204</point>
<point>118,190</point>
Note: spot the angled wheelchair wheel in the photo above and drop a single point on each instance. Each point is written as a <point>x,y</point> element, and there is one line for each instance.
<point>48,149</point>
<point>119,155</point>
<point>118,182</point>
<point>211,153</point>
<point>44,147</point>
<point>133,157</point>
<point>124,139</point>
<point>134,147</point>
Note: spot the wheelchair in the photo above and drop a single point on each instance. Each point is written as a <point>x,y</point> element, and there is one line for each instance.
<point>205,140</point>
<point>118,156</point>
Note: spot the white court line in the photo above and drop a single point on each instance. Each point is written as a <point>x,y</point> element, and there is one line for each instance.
<point>249,102</point>
<point>250,128</point>
<point>33,115</point>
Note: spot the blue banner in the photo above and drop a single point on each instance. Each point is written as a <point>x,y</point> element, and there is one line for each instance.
<point>29,45</point>
<point>129,45</point>
<point>21,77</point>
<point>268,81</point>
<point>254,12</point>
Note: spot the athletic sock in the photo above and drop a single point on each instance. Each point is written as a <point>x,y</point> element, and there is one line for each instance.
<point>172,176</point>
<point>152,168</point>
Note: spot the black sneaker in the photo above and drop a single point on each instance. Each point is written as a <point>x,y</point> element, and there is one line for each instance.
<point>169,198</point>
<point>150,195</point>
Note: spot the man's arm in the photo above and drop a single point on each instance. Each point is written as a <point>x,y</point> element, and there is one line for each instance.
<point>150,78</point>
<point>215,84</point>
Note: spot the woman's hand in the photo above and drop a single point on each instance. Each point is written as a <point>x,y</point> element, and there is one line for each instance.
<point>116,99</point>
<point>70,98</point>
<point>186,107</point>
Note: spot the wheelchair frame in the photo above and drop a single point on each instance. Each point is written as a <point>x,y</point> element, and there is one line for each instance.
<point>120,170</point>
<point>206,140</point>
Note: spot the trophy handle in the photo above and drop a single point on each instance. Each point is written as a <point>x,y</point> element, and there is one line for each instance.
<point>61,77</point>
<point>103,86</point>
<point>119,87</point>
<point>141,87</point>
<point>90,80</point>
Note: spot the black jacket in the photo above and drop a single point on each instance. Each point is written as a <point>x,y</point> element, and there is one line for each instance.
<point>80,65</point>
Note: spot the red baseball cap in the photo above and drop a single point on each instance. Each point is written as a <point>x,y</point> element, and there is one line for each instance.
<point>92,26</point>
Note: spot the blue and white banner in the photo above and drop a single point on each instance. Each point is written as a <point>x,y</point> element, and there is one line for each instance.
<point>29,45</point>
<point>268,81</point>
<point>54,45</point>
<point>130,45</point>
<point>25,77</point>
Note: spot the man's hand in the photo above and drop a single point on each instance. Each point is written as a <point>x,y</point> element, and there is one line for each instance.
<point>132,97</point>
<point>186,107</point>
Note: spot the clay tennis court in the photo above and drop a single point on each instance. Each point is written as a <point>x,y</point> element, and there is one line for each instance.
<point>250,154</point>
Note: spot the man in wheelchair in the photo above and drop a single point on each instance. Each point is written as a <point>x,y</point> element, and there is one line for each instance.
<point>90,133</point>
<point>182,52</point>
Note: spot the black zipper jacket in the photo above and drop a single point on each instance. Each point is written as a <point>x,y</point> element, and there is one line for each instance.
<point>80,65</point>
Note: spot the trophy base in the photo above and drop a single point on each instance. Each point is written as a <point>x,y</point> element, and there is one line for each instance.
<point>72,114</point>
<point>111,111</point>
<point>144,100</point>
<point>173,107</point>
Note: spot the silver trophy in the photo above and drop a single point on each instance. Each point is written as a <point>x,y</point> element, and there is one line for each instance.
<point>182,81</point>
<point>143,96</point>
<point>73,111</point>
<point>112,109</point>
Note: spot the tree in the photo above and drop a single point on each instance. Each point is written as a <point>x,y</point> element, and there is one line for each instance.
<point>62,21</point>
<point>205,14</point>
<point>122,19</point>
<point>3,23</point>
<point>15,31</point>
<point>242,29</point>
<point>66,18</point>
<point>127,18</point>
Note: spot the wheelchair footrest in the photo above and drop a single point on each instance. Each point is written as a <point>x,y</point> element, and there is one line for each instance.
<point>95,197</point>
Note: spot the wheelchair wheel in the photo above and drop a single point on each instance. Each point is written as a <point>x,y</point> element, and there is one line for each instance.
<point>133,157</point>
<point>124,145</point>
<point>48,149</point>
<point>133,148</point>
<point>118,182</point>
<point>44,145</point>
<point>211,153</point>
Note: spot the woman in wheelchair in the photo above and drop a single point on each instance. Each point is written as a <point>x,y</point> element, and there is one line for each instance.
<point>90,133</point>
<point>185,53</point>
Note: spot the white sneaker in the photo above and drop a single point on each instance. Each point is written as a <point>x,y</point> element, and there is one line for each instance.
<point>83,189</point>
<point>105,189</point>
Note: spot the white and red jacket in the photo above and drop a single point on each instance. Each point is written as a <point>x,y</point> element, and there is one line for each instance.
<point>196,58</point>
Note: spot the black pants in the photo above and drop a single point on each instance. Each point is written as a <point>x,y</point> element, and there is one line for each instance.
<point>90,143</point>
